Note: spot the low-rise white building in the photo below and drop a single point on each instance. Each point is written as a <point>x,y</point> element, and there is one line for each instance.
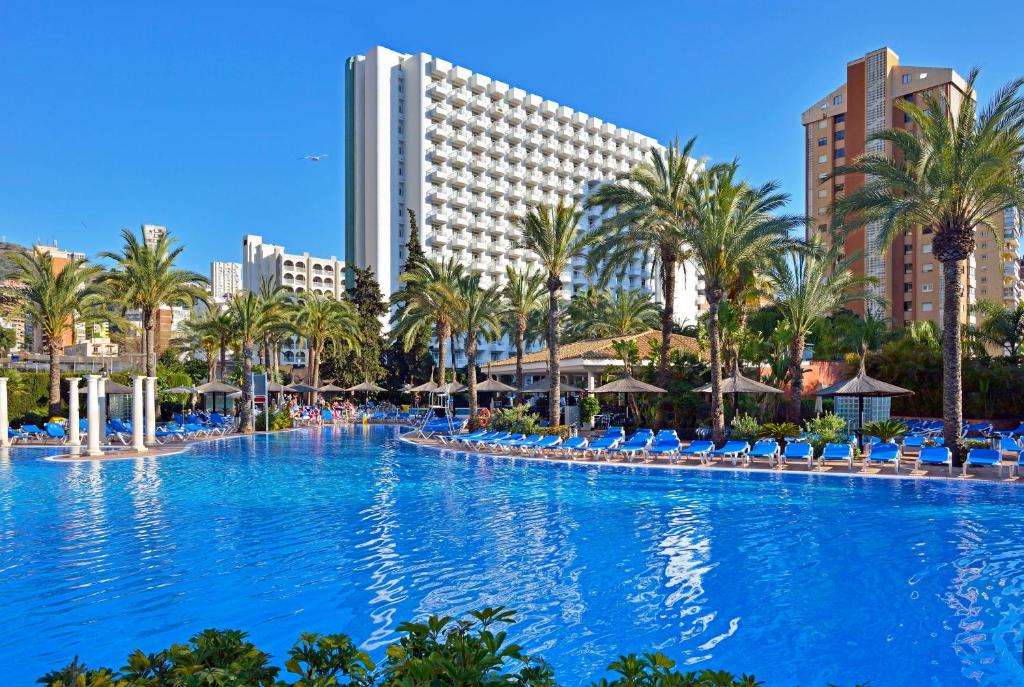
<point>468,154</point>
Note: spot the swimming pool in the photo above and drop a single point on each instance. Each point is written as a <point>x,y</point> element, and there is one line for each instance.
<point>799,579</point>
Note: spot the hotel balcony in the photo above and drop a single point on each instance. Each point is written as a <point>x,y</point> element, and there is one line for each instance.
<point>459,76</point>
<point>516,154</point>
<point>479,104</point>
<point>460,160</point>
<point>439,91</point>
<point>478,164</point>
<point>515,96</point>
<point>439,133</point>
<point>439,112</point>
<point>499,208</point>
<point>564,134</point>
<point>458,181</point>
<point>579,173</point>
<point>567,188</point>
<point>515,135</point>
<point>459,139</point>
<point>620,134</point>
<point>497,90</point>
<point>549,147</point>
<point>478,185</point>
<point>564,169</point>
<point>439,176</point>
<point>459,97</point>
<point>534,197</point>
<point>533,179</point>
<point>534,160</point>
<point>498,247</point>
<point>438,197</point>
<point>515,172</point>
<point>607,130</point>
<point>479,203</point>
<point>499,168</point>
<point>461,220</point>
<point>564,151</point>
<point>440,238</point>
<point>478,83</point>
<point>459,200</point>
<point>499,130</point>
<point>440,217</point>
<point>564,114</point>
<point>478,246</point>
<point>478,125</point>
<point>438,69</point>
<point>460,241</point>
<point>549,183</point>
<point>515,117</point>
<point>498,149</point>
<point>496,111</point>
<point>533,122</point>
<point>533,141</point>
<point>479,226</point>
<point>459,117</point>
<point>532,102</point>
<point>548,108</point>
<point>593,142</point>
<point>479,144</point>
<point>548,164</point>
<point>594,125</point>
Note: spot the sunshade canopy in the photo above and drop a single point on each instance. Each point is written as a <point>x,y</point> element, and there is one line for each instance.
<point>542,386</point>
<point>739,384</point>
<point>180,390</point>
<point>303,388</point>
<point>493,385</point>
<point>425,387</point>
<point>452,388</point>
<point>216,388</point>
<point>365,386</point>
<point>865,386</point>
<point>331,389</point>
<point>276,388</point>
<point>628,385</point>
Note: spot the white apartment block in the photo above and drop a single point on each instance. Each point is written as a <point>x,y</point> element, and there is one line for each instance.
<point>467,154</point>
<point>297,273</point>
<point>225,280</point>
<point>152,233</point>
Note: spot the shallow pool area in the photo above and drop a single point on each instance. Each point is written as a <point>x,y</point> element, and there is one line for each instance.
<point>799,579</point>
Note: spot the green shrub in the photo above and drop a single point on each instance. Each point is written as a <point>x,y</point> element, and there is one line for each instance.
<point>438,651</point>
<point>561,431</point>
<point>745,428</point>
<point>589,407</point>
<point>280,419</point>
<point>517,419</point>
<point>827,428</point>
<point>885,430</point>
<point>779,431</point>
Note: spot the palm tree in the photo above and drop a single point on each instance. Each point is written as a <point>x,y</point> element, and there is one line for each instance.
<point>814,282</point>
<point>1002,326</point>
<point>198,336</point>
<point>145,277</point>
<point>56,299</point>
<point>478,314</point>
<point>554,235</point>
<point>429,295</point>
<point>578,318</point>
<point>322,319</point>
<point>251,316</point>
<point>522,295</point>
<point>649,206</point>
<point>954,174</point>
<point>627,311</point>
<point>733,225</point>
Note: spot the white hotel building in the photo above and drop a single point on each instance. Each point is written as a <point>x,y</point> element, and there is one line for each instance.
<point>467,153</point>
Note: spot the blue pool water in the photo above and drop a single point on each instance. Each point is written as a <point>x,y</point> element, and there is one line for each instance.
<point>801,580</point>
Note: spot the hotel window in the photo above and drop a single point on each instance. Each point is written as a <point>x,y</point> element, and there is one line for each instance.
<point>908,288</point>
<point>908,306</point>
<point>907,78</point>
<point>928,267</point>
<point>823,193</point>
<point>823,141</point>
<point>926,307</point>
<point>927,248</point>
<point>823,124</point>
<point>840,152</point>
<point>840,135</point>
<point>839,188</point>
<point>837,100</point>
<point>840,118</point>
<point>927,288</point>
<point>823,158</point>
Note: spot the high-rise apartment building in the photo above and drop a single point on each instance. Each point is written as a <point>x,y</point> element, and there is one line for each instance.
<point>225,280</point>
<point>836,131</point>
<point>152,233</point>
<point>467,154</point>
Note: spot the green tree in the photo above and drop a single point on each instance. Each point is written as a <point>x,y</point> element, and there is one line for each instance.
<point>813,282</point>
<point>555,237</point>
<point>196,335</point>
<point>1002,326</point>
<point>627,311</point>
<point>953,172</point>
<point>734,225</point>
<point>430,294</point>
<point>478,316</point>
<point>322,319</point>
<point>522,296</point>
<point>251,316</point>
<point>56,299</point>
<point>8,340</point>
<point>145,277</point>
<point>649,214</point>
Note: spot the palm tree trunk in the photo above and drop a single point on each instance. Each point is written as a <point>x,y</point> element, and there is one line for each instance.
<point>54,349</point>
<point>717,417</point>
<point>455,366</point>
<point>555,393</point>
<point>442,341</point>
<point>796,376</point>
<point>245,426</point>
<point>223,354</point>
<point>952,382</point>
<point>150,326</point>
<point>471,371</point>
<point>211,365</point>
<point>668,293</point>
<point>520,345</point>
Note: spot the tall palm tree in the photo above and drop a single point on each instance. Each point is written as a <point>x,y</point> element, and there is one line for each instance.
<point>955,173</point>
<point>196,335</point>
<point>579,315</point>
<point>555,237</point>
<point>145,277</point>
<point>56,298</point>
<point>522,296</point>
<point>812,283</point>
<point>252,316</point>
<point>733,225</point>
<point>627,311</point>
<point>219,325</point>
<point>649,214</point>
<point>478,315</point>
<point>1002,326</point>
<point>429,295</point>
<point>322,319</point>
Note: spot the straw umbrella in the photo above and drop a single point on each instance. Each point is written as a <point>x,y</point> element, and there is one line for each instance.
<point>862,386</point>
<point>627,384</point>
<point>190,390</point>
<point>368,388</point>
<point>214,388</point>
<point>739,384</point>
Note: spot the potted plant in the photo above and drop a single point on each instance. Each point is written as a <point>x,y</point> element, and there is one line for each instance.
<point>885,430</point>
<point>589,408</point>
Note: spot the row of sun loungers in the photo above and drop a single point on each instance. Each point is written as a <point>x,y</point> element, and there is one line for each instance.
<point>647,446</point>
<point>191,427</point>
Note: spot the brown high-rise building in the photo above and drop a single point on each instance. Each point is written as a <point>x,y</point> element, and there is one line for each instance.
<point>836,131</point>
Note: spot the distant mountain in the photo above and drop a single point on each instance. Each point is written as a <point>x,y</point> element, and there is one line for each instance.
<point>7,266</point>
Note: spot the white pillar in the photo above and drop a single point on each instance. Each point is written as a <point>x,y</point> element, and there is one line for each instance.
<point>101,389</point>
<point>92,414</point>
<point>138,415</point>
<point>74,431</point>
<point>5,440</point>
<point>151,410</point>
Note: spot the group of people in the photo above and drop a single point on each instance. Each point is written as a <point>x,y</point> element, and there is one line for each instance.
<point>319,412</point>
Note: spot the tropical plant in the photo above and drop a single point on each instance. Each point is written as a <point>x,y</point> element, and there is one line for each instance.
<point>953,172</point>
<point>522,294</point>
<point>518,420</point>
<point>827,428</point>
<point>145,277</point>
<point>626,311</point>
<point>885,430</point>
<point>733,226</point>
<point>813,282</point>
<point>780,431</point>
<point>555,237</point>
<point>197,335</point>
<point>1002,326</point>
<point>649,214</point>
<point>745,428</point>
<point>56,298</point>
<point>429,296</point>
<point>579,315</point>
<point>478,313</point>
<point>251,317</point>
<point>8,340</point>
<point>321,319</point>
<point>590,407</point>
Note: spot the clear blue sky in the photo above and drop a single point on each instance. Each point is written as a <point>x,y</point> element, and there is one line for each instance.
<point>192,114</point>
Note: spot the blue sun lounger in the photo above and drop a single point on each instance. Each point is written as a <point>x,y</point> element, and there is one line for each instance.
<point>548,443</point>
<point>507,440</point>
<point>488,440</point>
<point>56,432</point>
<point>525,442</point>
<point>763,449</point>
<point>1014,449</point>
<point>636,444</point>
<point>837,453</point>
<point>884,453</point>
<point>602,445</point>
<point>567,447</point>
<point>33,431</point>
<point>731,449</point>
<point>16,435</point>
<point>798,450</point>
<point>986,457</point>
<point>697,449</point>
<point>666,443</point>
<point>935,455</point>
